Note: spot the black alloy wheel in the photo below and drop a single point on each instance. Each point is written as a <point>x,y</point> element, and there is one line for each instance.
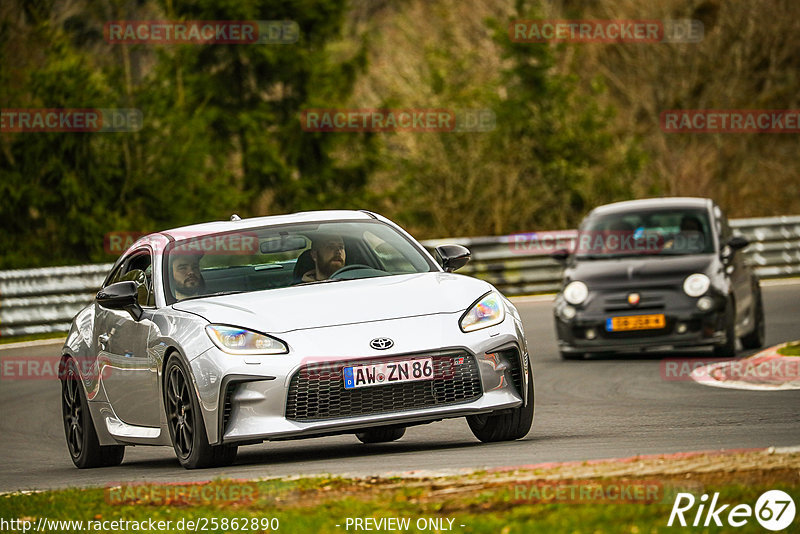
<point>84,447</point>
<point>185,422</point>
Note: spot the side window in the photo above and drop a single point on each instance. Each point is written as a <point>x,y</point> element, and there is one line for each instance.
<point>720,224</point>
<point>725,232</point>
<point>116,275</point>
<point>139,269</point>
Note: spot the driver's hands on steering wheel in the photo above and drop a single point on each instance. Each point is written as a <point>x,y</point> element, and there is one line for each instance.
<point>347,268</point>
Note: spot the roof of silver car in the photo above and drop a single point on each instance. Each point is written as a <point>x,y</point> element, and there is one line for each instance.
<point>653,203</point>
<point>271,220</point>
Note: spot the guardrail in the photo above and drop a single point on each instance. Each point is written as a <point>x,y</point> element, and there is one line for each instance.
<point>34,301</point>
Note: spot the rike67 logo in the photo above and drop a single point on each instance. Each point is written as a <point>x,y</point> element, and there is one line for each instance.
<point>774,510</point>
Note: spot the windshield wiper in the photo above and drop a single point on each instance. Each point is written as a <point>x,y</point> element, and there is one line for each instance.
<point>321,281</point>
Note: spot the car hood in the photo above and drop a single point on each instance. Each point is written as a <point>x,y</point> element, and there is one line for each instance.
<point>626,271</point>
<point>340,303</point>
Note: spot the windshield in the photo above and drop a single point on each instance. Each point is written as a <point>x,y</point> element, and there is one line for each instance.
<point>282,256</point>
<point>645,233</point>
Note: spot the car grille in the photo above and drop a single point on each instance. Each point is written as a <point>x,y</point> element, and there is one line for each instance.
<point>649,301</point>
<point>316,391</point>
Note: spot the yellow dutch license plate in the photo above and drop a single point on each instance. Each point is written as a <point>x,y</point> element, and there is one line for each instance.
<point>635,322</point>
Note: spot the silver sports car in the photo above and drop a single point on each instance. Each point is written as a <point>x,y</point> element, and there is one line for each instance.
<point>228,333</point>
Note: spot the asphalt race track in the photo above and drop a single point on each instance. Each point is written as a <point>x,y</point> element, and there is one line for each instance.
<point>602,408</point>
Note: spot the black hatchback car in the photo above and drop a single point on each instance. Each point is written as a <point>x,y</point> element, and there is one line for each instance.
<point>657,274</point>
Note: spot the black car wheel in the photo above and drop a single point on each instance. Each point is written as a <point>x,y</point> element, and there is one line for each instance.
<point>381,435</point>
<point>84,447</point>
<point>507,426</point>
<point>728,349</point>
<point>185,422</point>
<point>755,339</point>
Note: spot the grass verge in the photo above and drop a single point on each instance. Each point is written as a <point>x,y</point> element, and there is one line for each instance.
<point>791,349</point>
<point>32,337</point>
<point>571,498</point>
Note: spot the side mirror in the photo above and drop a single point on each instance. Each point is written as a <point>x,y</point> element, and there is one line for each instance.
<point>560,255</point>
<point>738,242</point>
<point>733,244</point>
<point>452,257</point>
<point>121,296</point>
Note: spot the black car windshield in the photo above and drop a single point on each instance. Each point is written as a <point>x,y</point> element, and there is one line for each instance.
<point>669,232</point>
<point>276,257</point>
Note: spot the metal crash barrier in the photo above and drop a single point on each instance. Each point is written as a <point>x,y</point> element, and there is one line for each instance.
<point>35,301</point>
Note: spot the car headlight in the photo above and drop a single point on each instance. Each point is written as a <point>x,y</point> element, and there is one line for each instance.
<point>576,292</point>
<point>488,311</point>
<point>696,284</point>
<point>234,340</point>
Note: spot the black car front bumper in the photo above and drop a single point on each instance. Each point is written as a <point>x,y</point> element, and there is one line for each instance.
<point>685,326</point>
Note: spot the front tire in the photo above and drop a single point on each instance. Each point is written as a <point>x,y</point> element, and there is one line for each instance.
<point>728,349</point>
<point>505,426</point>
<point>571,355</point>
<point>84,447</point>
<point>185,422</point>
<point>755,339</point>
<point>381,435</point>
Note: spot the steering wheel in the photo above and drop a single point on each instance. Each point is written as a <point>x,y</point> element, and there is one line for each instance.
<point>348,268</point>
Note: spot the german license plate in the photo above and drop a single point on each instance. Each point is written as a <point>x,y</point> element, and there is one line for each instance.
<point>360,376</point>
<point>635,322</point>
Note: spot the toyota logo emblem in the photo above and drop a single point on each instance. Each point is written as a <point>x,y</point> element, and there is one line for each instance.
<point>381,343</point>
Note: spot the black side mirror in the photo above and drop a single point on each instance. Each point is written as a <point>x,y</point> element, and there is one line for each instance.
<point>560,255</point>
<point>738,242</point>
<point>733,244</point>
<point>452,257</point>
<point>121,296</point>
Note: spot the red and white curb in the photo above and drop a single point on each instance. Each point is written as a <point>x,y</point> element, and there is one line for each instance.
<point>764,371</point>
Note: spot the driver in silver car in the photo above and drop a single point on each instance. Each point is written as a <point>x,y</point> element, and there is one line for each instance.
<point>187,280</point>
<point>328,254</point>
